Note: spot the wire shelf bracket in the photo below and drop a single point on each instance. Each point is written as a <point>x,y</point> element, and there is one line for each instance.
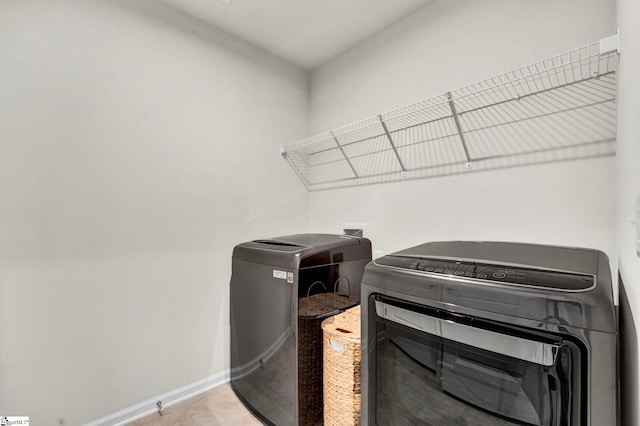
<point>393,146</point>
<point>454,114</point>
<point>558,109</point>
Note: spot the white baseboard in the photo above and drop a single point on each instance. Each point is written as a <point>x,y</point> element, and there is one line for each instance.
<point>147,407</point>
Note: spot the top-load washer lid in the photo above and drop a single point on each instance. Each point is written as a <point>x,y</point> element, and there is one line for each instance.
<point>568,259</point>
<point>301,250</point>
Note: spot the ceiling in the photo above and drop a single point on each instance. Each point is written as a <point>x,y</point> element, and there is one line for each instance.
<point>306,33</point>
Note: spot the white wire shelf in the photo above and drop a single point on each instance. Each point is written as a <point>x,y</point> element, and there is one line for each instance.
<point>556,109</point>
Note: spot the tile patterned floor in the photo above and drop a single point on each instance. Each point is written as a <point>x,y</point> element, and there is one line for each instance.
<point>219,406</point>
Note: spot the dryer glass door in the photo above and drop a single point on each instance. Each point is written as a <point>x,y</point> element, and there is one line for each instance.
<point>434,368</point>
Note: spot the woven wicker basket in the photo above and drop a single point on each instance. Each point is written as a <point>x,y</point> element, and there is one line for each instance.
<point>312,311</point>
<point>342,368</point>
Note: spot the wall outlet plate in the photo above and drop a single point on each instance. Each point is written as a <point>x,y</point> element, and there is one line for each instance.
<point>355,232</point>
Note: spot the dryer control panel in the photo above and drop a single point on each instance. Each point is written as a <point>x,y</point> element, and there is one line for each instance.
<point>504,274</point>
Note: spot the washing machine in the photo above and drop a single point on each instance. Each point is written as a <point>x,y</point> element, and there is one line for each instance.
<point>281,290</point>
<point>494,333</point>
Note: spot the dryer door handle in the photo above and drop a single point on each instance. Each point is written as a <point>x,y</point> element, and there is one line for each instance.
<point>512,346</point>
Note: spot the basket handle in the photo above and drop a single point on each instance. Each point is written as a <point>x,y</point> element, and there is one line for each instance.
<point>314,283</point>
<point>335,286</point>
<point>337,347</point>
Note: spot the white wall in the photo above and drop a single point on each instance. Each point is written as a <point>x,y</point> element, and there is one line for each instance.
<point>446,45</point>
<point>137,147</point>
<point>627,190</point>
